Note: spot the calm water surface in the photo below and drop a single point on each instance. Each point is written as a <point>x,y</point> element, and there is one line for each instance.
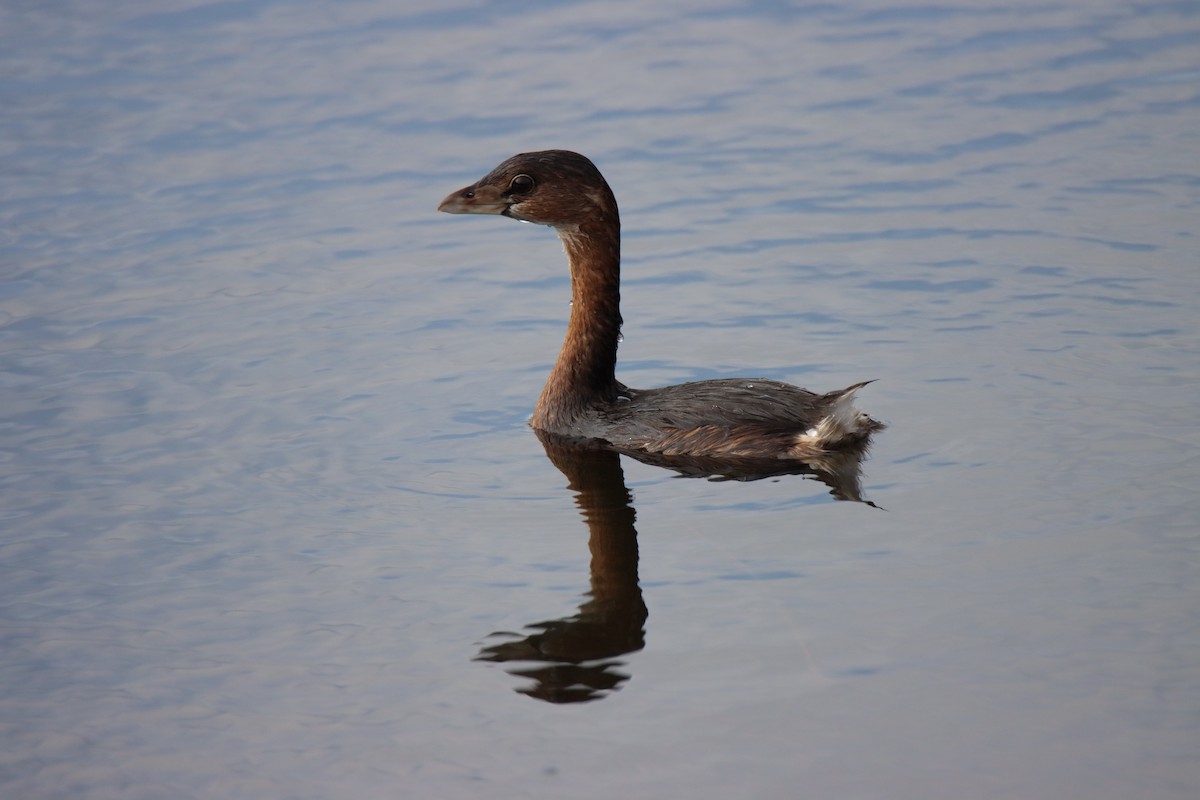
<point>274,525</point>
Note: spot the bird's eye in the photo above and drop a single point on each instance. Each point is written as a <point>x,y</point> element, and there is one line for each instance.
<point>521,184</point>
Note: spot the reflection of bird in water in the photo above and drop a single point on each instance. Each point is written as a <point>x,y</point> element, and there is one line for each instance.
<point>578,652</point>
<point>841,470</point>
<point>728,418</point>
<point>576,657</point>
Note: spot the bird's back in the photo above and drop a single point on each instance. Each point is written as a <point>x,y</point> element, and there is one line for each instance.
<point>735,417</point>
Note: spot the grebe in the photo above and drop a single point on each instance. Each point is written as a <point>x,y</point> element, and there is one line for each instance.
<point>582,398</point>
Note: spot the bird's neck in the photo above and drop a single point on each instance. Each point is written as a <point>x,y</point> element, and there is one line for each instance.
<point>585,373</point>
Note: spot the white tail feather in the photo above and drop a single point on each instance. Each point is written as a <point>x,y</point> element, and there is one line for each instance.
<point>843,419</point>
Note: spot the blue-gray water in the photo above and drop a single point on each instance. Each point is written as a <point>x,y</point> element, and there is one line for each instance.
<point>268,489</point>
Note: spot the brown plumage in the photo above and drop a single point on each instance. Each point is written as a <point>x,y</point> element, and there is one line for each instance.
<point>735,418</point>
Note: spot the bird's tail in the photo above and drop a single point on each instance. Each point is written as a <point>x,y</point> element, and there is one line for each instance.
<point>841,423</point>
